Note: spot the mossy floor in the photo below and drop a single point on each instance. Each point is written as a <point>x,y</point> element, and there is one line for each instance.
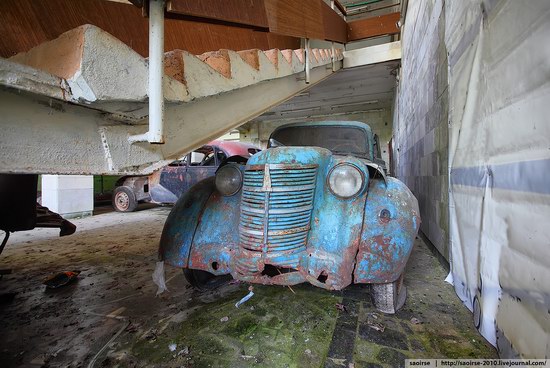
<point>304,328</point>
<point>277,327</point>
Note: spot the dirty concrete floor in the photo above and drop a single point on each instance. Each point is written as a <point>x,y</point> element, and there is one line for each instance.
<point>114,301</point>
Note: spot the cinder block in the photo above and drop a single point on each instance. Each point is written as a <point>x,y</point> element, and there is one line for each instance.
<point>68,195</point>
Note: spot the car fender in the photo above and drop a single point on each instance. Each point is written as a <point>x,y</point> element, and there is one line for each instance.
<point>179,228</point>
<point>217,235</point>
<point>390,226</point>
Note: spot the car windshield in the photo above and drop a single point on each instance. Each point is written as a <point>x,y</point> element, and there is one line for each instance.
<point>338,139</point>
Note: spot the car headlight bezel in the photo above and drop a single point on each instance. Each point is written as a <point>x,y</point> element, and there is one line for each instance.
<point>237,175</point>
<point>346,165</point>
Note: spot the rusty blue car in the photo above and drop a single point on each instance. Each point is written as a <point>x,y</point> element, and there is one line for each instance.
<point>314,207</point>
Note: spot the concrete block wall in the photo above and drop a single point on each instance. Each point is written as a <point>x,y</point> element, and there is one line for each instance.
<point>380,121</point>
<point>421,133</point>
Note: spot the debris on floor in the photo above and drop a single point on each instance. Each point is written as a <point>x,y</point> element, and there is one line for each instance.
<point>246,297</point>
<point>341,307</point>
<point>158,278</point>
<point>60,279</point>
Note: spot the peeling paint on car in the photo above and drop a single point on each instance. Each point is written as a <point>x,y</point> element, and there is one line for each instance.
<point>285,226</point>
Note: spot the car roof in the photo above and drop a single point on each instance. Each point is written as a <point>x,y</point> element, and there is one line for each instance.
<point>356,124</point>
<point>232,148</point>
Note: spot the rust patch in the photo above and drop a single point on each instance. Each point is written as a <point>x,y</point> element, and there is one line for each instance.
<point>300,54</point>
<point>174,65</point>
<point>251,57</point>
<point>316,54</point>
<point>273,56</point>
<point>219,61</point>
<point>61,57</point>
<point>288,55</point>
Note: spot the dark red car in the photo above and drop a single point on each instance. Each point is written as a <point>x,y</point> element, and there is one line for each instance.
<point>169,183</point>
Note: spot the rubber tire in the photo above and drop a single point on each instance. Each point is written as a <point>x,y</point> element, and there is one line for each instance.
<point>131,199</point>
<point>390,297</point>
<point>203,280</point>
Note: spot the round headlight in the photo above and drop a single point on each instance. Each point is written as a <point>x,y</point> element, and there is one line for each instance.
<point>345,181</point>
<point>229,180</point>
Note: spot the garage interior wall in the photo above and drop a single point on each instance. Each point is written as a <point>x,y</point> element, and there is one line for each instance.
<point>482,69</point>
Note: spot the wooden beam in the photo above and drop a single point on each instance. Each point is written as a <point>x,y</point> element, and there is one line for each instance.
<point>308,19</point>
<point>334,25</point>
<point>341,7</point>
<point>372,27</point>
<point>241,12</point>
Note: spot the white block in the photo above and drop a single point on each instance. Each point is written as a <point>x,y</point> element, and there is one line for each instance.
<point>68,195</point>
<point>372,54</point>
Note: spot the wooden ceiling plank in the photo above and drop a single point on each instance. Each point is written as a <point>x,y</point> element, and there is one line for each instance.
<point>372,27</point>
<point>244,12</point>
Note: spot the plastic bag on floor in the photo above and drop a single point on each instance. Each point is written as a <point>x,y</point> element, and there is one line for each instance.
<point>158,278</point>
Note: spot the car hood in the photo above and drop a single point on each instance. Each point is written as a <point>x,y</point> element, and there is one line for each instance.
<point>307,156</point>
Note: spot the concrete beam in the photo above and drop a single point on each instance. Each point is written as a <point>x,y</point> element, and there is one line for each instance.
<point>77,114</point>
<point>372,54</point>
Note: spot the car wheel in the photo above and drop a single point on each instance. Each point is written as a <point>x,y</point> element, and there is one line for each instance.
<point>203,280</point>
<point>389,297</point>
<point>124,199</point>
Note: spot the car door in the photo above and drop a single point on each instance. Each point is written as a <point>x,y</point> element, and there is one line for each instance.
<point>165,186</point>
<point>202,165</point>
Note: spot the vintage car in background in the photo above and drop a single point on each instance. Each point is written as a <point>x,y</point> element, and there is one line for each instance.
<point>314,206</point>
<point>166,185</point>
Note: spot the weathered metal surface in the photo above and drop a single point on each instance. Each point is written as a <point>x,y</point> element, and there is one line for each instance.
<point>235,148</point>
<point>392,220</point>
<point>176,180</point>
<point>316,236</point>
<point>293,229</point>
<point>216,237</point>
<point>138,185</point>
<point>179,229</point>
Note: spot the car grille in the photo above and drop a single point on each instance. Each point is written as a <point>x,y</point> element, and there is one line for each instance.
<point>276,205</point>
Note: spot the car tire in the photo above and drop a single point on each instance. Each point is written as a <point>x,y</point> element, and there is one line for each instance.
<point>204,280</point>
<point>389,297</point>
<point>124,199</point>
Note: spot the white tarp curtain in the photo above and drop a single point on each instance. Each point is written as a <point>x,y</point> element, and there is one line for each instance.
<point>499,156</point>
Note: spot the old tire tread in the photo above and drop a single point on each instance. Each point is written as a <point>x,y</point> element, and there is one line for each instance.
<point>389,297</point>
